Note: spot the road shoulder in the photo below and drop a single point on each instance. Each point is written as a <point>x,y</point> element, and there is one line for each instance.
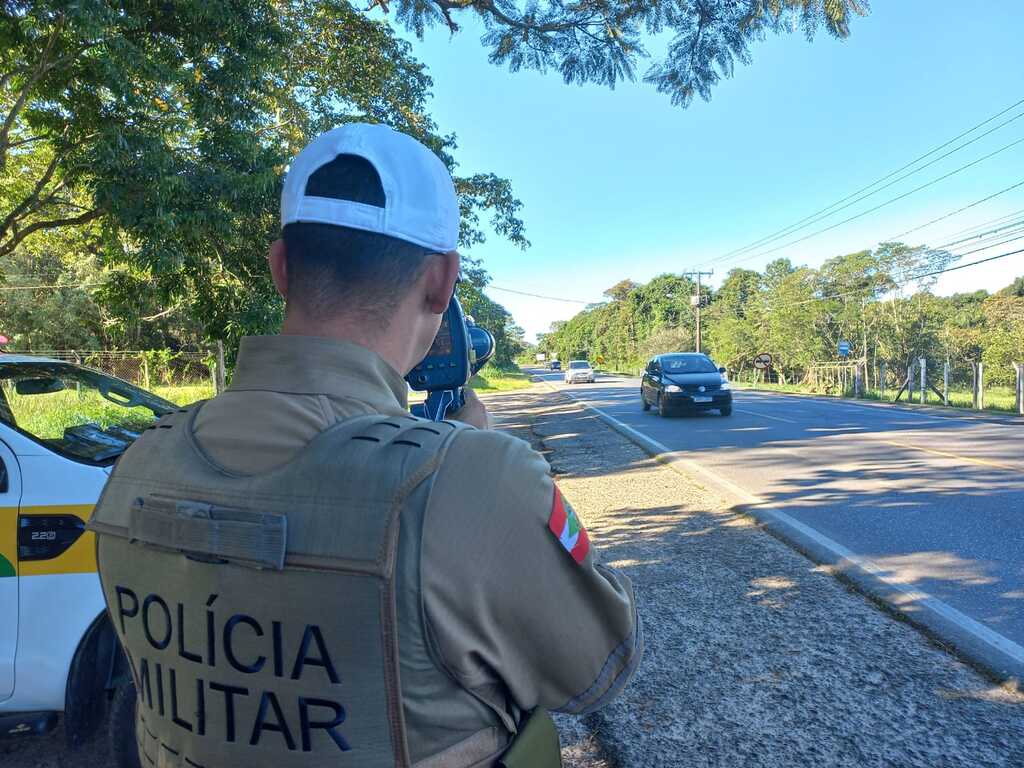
<point>755,656</point>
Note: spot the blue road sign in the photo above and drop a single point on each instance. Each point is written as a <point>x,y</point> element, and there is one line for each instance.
<point>844,348</point>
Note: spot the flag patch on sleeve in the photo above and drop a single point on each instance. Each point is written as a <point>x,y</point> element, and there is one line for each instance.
<point>567,528</point>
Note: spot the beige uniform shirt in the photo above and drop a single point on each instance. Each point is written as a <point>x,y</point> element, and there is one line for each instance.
<point>513,606</point>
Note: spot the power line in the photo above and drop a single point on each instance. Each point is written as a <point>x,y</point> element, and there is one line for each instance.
<point>1013,226</point>
<point>913,278</point>
<point>538,295</point>
<point>786,230</point>
<point>983,224</point>
<point>51,286</point>
<point>954,213</point>
<point>814,219</point>
<point>890,201</point>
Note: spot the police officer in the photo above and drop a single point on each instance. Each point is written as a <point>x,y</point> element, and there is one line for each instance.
<point>303,574</point>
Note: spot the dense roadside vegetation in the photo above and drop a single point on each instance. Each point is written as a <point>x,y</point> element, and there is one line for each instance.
<point>142,144</point>
<point>142,149</point>
<point>799,315</point>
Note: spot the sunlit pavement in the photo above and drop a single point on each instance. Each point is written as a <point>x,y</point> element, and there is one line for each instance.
<point>935,501</point>
<point>755,657</point>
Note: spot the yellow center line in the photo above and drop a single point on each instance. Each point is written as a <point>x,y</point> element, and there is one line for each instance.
<point>958,457</point>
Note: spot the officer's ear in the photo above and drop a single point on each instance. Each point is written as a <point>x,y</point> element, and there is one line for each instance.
<point>439,276</point>
<point>278,260</point>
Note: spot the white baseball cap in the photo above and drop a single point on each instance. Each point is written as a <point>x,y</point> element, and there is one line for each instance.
<point>420,204</point>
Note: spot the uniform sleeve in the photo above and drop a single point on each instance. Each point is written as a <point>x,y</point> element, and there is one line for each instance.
<point>512,592</point>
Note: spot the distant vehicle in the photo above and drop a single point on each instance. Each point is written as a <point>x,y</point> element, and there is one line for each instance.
<point>62,427</point>
<point>555,365</point>
<point>685,381</point>
<point>579,372</point>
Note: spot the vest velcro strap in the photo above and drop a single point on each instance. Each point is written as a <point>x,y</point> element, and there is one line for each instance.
<point>252,539</point>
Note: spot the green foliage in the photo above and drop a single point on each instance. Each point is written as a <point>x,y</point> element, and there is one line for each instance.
<point>508,337</point>
<point>157,134</point>
<point>494,379</point>
<point>603,42</point>
<point>799,315</point>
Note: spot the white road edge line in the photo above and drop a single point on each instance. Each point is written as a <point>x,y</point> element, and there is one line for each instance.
<point>974,629</point>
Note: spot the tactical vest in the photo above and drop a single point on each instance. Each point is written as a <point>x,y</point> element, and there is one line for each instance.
<point>262,616</point>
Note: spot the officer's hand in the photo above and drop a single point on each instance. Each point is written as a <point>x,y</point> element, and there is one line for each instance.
<point>474,412</point>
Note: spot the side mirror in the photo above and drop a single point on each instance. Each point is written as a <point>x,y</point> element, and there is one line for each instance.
<point>38,386</point>
<point>721,370</point>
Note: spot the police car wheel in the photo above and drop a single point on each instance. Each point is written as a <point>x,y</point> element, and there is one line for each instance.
<point>123,746</point>
<point>647,406</point>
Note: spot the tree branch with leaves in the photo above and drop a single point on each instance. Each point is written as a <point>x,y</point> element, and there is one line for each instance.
<point>602,41</point>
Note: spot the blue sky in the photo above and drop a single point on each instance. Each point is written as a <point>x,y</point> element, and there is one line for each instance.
<point>619,184</point>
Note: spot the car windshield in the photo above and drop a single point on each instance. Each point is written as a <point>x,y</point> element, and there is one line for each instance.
<point>579,364</point>
<point>80,413</point>
<point>688,364</point>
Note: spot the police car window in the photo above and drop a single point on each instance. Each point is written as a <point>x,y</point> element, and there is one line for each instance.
<point>688,364</point>
<point>80,413</point>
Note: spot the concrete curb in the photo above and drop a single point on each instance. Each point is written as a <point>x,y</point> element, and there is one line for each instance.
<point>998,657</point>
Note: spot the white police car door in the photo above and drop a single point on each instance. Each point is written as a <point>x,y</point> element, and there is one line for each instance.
<point>10,500</point>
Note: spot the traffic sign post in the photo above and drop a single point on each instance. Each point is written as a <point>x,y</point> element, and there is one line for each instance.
<point>1019,367</point>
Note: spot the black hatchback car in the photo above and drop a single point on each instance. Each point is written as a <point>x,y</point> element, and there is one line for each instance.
<point>685,381</point>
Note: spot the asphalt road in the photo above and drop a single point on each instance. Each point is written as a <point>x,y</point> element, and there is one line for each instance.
<point>935,501</point>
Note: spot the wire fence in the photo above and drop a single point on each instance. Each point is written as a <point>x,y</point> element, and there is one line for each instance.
<point>177,376</point>
<point>954,383</point>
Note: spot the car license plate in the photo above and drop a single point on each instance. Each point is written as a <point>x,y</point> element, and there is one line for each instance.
<point>701,399</point>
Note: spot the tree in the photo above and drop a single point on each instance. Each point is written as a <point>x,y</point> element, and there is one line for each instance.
<point>1016,288</point>
<point>602,41</point>
<point>169,125</point>
<point>799,315</point>
<point>621,290</point>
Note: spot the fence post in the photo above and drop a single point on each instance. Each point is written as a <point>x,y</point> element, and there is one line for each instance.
<point>881,382</point>
<point>1020,387</point>
<point>145,372</point>
<point>945,383</point>
<point>910,383</point>
<point>220,381</point>
<point>981,386</point>
<point>923,363</point>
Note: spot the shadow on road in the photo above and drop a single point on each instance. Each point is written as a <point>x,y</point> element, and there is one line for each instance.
<point>755,656</point>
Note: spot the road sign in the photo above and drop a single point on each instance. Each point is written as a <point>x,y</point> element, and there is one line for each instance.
<point>844,348</point>
<point>763,361</point>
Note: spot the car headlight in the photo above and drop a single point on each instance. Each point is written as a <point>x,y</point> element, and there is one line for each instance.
<point>725,384</point>
<point>673,388</point>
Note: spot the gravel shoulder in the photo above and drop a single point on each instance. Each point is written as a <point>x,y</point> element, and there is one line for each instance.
<point>755,656</point>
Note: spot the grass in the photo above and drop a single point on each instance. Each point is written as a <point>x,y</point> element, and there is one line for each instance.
<point>492,379</point>
<point>47,415</point>
<point>185,394</point>
<point>996,398</point>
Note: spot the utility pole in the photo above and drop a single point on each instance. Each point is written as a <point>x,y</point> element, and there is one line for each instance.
<point>698,300</point>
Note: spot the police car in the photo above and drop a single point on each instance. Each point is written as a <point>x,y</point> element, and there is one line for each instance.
<point>62,426</point>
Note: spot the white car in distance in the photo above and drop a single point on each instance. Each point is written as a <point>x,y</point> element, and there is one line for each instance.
<point>579,372</point>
